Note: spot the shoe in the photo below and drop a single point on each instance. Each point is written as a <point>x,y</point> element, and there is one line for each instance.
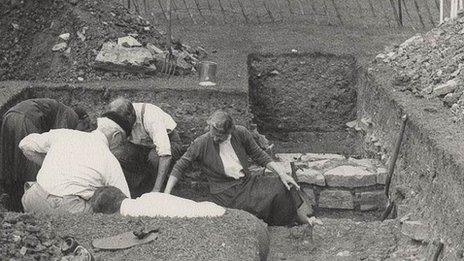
<point>68,245</point>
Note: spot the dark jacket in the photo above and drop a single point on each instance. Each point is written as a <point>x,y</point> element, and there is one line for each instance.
<point>206,152</point>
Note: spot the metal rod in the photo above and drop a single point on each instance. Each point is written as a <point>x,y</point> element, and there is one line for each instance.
<point>400,13</point>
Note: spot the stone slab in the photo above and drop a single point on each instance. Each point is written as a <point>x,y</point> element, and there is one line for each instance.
<point>116,57</point>
<point>350,177</point>
<point>336,199</point>
<point>310,176</point>
<point>415,230</point>
<point>319,164</point>
<point>320,156</point>
<point>371,200</point>
<point>289,157</point>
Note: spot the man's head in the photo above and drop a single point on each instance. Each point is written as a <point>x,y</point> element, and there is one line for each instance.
<point>107,200</point>
<point>124,108</point>
<point>84,123</point>
<point>112,128</point>
<point>220,125</point>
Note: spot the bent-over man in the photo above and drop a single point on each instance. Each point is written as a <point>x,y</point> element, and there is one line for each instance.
<point>73,165</point>
<point>30,116</point>
<point>223,155</point>
<point>153,144</point>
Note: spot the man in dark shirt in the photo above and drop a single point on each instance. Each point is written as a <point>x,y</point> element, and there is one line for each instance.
<point>223,155</point>
<point>30,116</point>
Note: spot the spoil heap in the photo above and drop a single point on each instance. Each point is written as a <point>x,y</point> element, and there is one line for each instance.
<point>430,65</point>
<point>60,40</point>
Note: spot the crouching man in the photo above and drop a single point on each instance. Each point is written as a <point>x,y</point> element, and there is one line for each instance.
<point>109,200</point>
<point>154,143</point>
<point>73,165</point>
<point>223,154</point>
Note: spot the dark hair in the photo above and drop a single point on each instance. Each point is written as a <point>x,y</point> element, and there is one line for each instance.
<point>81,113</point>
<point>124,108</point>
<point>107,200</point>
<point>221,121</point>
<point>120,120</point>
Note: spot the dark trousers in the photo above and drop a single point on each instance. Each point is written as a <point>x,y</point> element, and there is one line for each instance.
<point>15,169</point>
<point>140,164</point>
<point>264,196</point>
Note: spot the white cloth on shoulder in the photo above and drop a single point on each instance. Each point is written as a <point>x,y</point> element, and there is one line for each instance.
<point>156,204</point>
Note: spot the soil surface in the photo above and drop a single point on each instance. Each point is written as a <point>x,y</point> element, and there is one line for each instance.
<point>30,29</point>
<point>343,239</point>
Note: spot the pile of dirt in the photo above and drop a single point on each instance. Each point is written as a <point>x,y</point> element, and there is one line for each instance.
<point>23,237</point>
<point>430,65</point>
<point>58,40</point>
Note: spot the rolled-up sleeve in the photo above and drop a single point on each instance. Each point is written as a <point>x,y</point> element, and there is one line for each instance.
<point>36,143</point>
<point>159,135</point>
<point>258,155</point>
<point>192,154</point>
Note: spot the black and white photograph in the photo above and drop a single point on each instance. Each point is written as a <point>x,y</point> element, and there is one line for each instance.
<point>265,130</point>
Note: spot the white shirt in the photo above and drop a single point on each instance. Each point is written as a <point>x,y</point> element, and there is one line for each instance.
<point>76,163</point>
<point>156,204</point>
<point>232,166</point>
<point>156,126</point>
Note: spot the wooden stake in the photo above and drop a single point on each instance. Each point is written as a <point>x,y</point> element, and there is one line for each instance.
<point>199,10</point>
<point>441,11</point>
<point>189,12</point>
<point>269,12</point>
<point>223,11</point>
<point>372,8</point>
<point>419,14</point>
<point>162,10</point>
<point>243,11</point>
<point>395,13</point>
<point>429,13</point>
<point>337,12</point>
<point>400,13</point>
<point>405,7</point>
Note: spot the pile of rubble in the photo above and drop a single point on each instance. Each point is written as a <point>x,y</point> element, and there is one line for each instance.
<point>71,40</point>
<point>430,65</point>
<point>23,238</point>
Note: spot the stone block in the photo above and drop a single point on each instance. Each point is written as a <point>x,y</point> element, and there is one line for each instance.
<point>367,163</point>
<point>370,200</point>
<point>310,176</point>
<point>317,164</point>
<point>350,177</point>
<point>115,57</point>
<point>415,230</point>
<point>288,156</point>
<point>320,156</point>
<point>336,199</point>
<point>382,175</point>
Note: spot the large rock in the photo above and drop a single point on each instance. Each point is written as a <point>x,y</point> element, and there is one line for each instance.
<point>129,41</point>
<point>415,230</point>
<point>370,200</point>
<point>116,57</point>
<point>336,199</point>
<point>310,176</point>
<point>350,177</point>
<point>445,88</point>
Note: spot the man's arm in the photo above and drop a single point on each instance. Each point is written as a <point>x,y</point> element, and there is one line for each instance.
<point>161,140</point>
<point>35,146</point>
<point>115,176</point>
<point>284,177</point>
<point>182,165</point>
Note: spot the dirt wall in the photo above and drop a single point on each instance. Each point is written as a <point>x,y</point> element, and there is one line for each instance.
<point>428,181</point>
<point>304,98</point>
<point>190,108</point>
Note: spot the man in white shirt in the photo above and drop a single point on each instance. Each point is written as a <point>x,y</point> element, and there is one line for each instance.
<point>73,165</point>
<point>109,200</point>
<point>154,143</point>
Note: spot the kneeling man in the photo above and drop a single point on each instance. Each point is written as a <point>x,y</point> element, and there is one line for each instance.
<point>73,165</point>
<point>223,154</point>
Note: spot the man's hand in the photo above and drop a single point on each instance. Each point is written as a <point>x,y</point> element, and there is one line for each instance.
<point>288,181</point>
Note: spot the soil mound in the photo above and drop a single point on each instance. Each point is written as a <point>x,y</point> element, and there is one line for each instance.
<point>430,65</point>
<point>30,31</point>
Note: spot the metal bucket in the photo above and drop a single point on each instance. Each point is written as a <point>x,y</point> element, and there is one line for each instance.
<point>207,73</point>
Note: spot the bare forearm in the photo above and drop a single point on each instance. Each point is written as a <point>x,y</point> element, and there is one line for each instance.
<point>172,181</point>
<point>275,168</point>
<point>163,167</point>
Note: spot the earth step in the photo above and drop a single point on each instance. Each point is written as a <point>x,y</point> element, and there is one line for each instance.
<point>415,230</point>
<point>336,199</point>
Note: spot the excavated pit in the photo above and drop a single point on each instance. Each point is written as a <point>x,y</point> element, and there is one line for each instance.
<point>302,101</point>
